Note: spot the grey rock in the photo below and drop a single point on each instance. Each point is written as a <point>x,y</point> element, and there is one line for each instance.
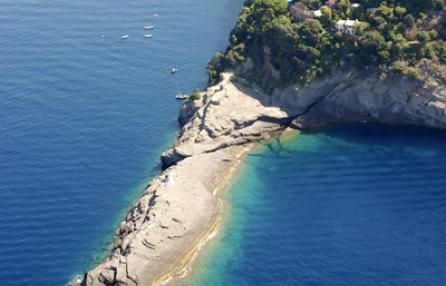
<point>179,205</point>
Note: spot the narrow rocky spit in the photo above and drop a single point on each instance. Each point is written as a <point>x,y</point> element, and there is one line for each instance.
<point>179,206</point>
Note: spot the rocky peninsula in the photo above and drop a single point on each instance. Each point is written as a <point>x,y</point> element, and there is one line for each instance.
<point>182,206</point>
<point>254,96</point>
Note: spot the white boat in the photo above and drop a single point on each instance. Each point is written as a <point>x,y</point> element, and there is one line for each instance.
<point>173,71</point>
<point>124,37</point>
<point>150,27</point>
<point>181,96</point>
<point>155,16</point>
<point>147,36</point>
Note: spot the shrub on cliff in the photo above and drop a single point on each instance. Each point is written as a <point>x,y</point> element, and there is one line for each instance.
<point>215,67</point>
<point>196,95</point>
<point>407,71</point>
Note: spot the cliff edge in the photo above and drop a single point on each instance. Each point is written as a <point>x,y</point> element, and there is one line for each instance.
<point>155,240</point>
<point>181,206</point>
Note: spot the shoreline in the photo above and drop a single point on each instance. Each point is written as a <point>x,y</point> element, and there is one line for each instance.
<point>179,210</point>
<point>180,269</point>
<point>185,264</point>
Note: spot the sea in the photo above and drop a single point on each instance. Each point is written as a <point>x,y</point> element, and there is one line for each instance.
<point>343,205</point>
<point>84,116</point>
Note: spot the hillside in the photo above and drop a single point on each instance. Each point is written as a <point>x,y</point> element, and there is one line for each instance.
<point>276,44</point>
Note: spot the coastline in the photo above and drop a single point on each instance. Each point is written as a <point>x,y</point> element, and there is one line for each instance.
<point>185,263</point>
<point>181,209</point>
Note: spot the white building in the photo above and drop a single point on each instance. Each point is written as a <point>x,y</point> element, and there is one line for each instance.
<point>316,13</point>
<point>347,26</point>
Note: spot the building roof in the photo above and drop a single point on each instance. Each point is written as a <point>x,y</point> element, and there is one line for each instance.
<point>317,13</point>
<point>347,23</point>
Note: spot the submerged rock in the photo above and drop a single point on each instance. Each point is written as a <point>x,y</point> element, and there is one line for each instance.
<point>180,204</point>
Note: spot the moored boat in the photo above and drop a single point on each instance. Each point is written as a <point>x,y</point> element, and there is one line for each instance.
<point>181,96</point>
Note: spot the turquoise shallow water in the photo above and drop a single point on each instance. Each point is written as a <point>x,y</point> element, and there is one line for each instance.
<point>353,205</point>
<point>84,116</point>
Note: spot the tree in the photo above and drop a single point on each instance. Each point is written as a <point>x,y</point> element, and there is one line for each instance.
<point>440,5</point>
<point>371,44</point>
<point>311,31</point>
<point>265,36</point>
<point>400,11</point>
<point>385,11</point>
<point>275,7</point>
<point>384,56</point>
<point>423,37</point>
<point>196,95</point>
<point>326,15</point>
<point>409,21</point>
<point>312,4</point>
<point>215,67</point>
<point>345,7</point>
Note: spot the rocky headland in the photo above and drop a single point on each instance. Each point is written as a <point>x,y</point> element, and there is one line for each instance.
<point>284,68</point>
<point>182,206</point>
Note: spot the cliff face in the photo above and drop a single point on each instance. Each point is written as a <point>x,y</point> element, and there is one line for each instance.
<point>178,206</point>
<point>355,97</point>
<point>230,115</point>
<point>340,98</point>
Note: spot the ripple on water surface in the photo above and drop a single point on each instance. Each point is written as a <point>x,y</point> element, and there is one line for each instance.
<point>84,116</point>
<point>355,205</point>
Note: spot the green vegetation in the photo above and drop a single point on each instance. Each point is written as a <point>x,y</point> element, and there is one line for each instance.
<point>407,71</point>
<point>196,95</point>
<point>215,67</point>
<point>392,34</point>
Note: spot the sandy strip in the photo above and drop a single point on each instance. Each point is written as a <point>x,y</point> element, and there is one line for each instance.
<point>184,265</point>
<point>181,209</point>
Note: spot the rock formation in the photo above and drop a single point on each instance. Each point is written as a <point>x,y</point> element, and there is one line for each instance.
<point>179,205</point>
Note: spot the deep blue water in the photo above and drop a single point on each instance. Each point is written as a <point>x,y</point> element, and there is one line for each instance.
<point>354,205</point>
<point>84,116</point>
